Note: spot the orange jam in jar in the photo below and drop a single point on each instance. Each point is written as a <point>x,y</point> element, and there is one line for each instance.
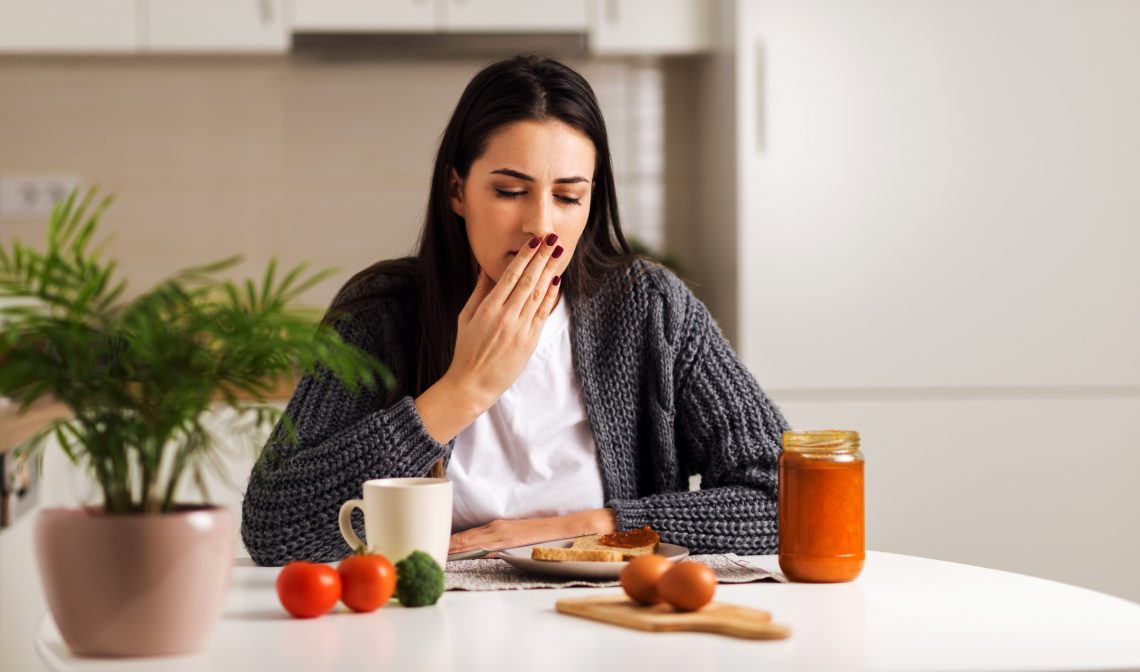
<point>821,506</point>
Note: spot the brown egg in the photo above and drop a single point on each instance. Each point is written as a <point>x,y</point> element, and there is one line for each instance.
<point>639,578</point>
<point>688,586</point>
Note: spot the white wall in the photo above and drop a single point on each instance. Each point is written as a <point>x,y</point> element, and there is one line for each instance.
<point>937,246</point>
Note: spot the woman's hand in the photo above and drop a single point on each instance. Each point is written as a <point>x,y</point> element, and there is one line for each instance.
<point>497,333</point>
<point>511,533</point>
<point>501,322</point>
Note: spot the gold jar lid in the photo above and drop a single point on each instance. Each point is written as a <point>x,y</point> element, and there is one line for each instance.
<point>822,440</point>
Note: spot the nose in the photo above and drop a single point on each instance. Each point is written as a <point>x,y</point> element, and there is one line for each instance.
<point>540,218</point>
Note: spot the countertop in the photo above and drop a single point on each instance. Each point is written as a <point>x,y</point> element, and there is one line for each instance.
<point>902,613</point>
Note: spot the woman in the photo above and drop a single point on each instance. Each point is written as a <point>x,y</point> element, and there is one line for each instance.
<point>564,385</point>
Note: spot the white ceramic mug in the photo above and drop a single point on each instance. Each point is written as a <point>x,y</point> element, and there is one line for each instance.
<point>402,515</point>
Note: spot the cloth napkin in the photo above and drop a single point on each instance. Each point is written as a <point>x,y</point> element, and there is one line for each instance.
<point>485,574</point>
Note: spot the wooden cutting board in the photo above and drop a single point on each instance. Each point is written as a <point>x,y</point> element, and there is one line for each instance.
<point>726,619</point>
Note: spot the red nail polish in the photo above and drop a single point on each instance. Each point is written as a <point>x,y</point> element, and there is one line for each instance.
<point>557,252</point>
<point>557,280</point>
<point>551,239</point>
<point>534,242</point>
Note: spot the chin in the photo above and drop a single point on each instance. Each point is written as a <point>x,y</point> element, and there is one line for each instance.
<point>495,273</point>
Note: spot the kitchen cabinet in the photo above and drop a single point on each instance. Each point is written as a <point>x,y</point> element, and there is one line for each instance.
<point>388,16</point>
<point>612,27</point>
<point>908,216</point>
<point>460,16</point>
<point>621,27</point>
<point>143,26</point>
<point>934,246</point>
<point>514,16</point>
<point>69,26</point>
<point>223,26</point>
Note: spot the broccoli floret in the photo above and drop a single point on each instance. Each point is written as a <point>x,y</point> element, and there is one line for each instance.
<point>419,580</point>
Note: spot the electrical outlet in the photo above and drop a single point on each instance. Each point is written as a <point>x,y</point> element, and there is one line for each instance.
<point>33,195</point>
<point>19,487</point>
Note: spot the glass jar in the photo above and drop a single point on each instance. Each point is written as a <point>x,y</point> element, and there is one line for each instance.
<point>821,506</point>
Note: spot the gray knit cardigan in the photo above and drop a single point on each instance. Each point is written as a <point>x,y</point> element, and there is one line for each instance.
<point>665,395</point>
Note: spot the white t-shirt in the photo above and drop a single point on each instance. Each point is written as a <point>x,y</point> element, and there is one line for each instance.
<point>532,454</point>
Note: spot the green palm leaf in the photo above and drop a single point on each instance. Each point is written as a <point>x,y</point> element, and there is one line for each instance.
<point>139,376</point>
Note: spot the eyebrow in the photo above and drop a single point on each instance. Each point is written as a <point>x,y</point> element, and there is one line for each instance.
<point>528,178</point>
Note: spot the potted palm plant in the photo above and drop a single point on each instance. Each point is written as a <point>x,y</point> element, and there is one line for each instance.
<point>144,573</point>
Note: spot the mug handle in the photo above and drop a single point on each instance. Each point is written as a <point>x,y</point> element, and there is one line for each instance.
<point>346,530</point>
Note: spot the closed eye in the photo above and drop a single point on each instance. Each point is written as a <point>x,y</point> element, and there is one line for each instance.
<point>515,194</point>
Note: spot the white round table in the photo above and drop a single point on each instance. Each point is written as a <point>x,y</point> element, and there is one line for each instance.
<point>902,613</point>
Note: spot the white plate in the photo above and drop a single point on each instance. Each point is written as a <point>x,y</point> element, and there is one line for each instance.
<point>520,557</point>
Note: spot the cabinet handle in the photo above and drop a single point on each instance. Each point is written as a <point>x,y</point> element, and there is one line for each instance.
<point>758,63</point>
<point>266,11</point>
<point>612,11</point>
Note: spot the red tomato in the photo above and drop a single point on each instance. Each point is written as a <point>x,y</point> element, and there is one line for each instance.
<point>308,589</point>
<point>688,586</point>
<point>368,581</point>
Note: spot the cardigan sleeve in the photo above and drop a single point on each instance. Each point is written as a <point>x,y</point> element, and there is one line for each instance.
<point>730,432</point>
<point>294,494</point>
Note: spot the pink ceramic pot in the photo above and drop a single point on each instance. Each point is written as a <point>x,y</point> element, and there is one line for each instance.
<point>130,585</point>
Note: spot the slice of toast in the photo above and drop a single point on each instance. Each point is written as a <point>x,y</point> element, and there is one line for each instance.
<point>594,542</point>
<point>575,554</point>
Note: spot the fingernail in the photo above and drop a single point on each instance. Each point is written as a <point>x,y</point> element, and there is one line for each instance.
<point>557,278</point>
<point>557,252</point>
<point>534,242</point>
<point>551,239</point>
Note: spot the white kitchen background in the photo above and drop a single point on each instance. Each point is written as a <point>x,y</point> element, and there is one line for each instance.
<point>934,213</point>
<point>913,219</point>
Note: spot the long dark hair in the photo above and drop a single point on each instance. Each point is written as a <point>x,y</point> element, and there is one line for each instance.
<point>527,87</point>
